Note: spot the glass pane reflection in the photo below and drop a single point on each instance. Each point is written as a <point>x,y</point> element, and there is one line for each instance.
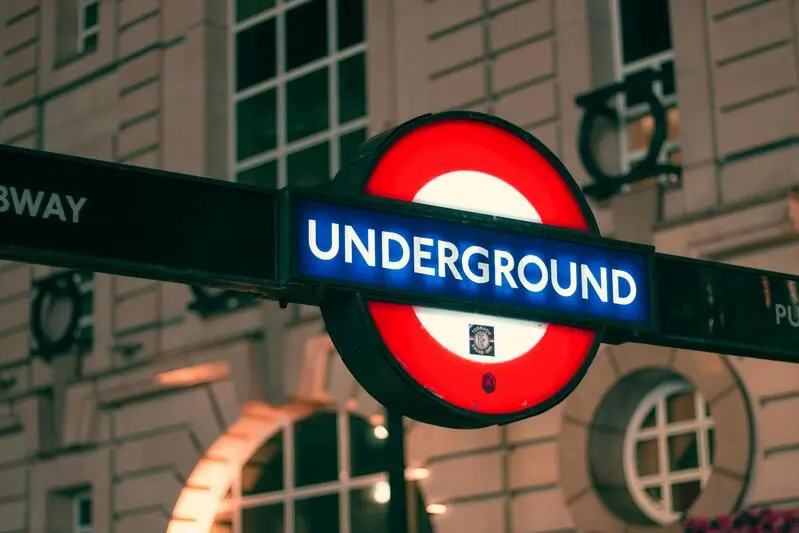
<point>366,514</point>
<point>264,471</point>
<point>317,515</point>
<point>256,124</point>
<point>309,167</point>
<point>367,451</point>
<point>255,54</point>
<point>307,105</point>
<point>352,88</point>
<point>349,143</point>
<point>265,519</point>
<point>306,33</point>
<point>316,450</point>
<point>350,18</point>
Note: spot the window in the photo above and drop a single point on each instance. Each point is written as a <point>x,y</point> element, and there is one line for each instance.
<point>88,25</point>
<point>643,41</point>
<point>323,473</point>
<point>82,512</point>
<point>668,450</point>
<point>299,89</point>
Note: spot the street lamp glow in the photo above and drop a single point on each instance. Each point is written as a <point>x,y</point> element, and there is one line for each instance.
<point>382,492</point>
<point>416,474</point>
<point>436,508</point>
<point>381,432</point>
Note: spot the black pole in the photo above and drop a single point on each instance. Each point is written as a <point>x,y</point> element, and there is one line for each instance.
<point>395,451</point>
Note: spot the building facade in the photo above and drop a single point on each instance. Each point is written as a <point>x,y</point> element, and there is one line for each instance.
<point>184,410</point>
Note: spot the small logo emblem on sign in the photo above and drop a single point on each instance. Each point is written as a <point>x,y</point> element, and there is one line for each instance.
<point>481,340</point>
<point>489,382</point>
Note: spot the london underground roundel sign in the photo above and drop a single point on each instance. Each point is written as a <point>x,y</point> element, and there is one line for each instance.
<point>457,368</point>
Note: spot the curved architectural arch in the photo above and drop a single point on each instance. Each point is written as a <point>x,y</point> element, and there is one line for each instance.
<point>597,416</point>
<point>324,384</point>
<point>203,493</point>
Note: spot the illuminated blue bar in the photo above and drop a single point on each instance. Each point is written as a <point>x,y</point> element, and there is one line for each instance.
<point>333,246</point>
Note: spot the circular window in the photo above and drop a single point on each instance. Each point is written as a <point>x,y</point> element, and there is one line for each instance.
<point>639,446</point>
<point>668,450</point>
<point>651,447</point>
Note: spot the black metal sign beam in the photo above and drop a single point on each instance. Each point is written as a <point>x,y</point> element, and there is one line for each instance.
<point>719,308</point>
<point>88,214</point>
<point>119,219</point>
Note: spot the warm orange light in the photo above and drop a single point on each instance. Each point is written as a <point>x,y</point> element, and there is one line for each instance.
<point>193,375</point>
<point>416,474</point>
<point>436,508</point>
<point>380,432</point>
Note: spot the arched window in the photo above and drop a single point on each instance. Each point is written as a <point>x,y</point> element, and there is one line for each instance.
<point>668,450</point>
<point>322,474</point>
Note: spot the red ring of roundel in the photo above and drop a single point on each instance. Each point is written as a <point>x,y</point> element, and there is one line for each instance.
<point>538,375</point>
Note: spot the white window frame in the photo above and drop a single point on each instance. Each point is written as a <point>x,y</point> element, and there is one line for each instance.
<point>290,493</point>
<point>85,33</point>
<point>621,70</point>
<point>664,513</point>
<point>335,130</point>
<point>76,501</point>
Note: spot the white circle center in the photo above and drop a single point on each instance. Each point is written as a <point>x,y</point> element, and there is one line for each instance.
<point>469,190</point>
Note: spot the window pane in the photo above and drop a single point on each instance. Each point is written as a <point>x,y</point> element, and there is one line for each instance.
<point>262,519</point>
<point>264,175</point>
<point>366,514</point>
<point>711,444</point>
<point>669,84</point>
<point>350,18</point>
<point>309,167</point>
<point>90,42</point>
<point>306,33</point>
<point>91,15</point>
<point>352,88</point>
<point>256,125</point>
<point>223,523</point>
<point>247,8</point>
<point>307,105</point>
<point>649,421</point>
<point>645,28</point>
<point>680,407</point>
<point>349,143</point>
<point>367,452</point>
<point>316,445</point>
<point>647,457</point>
<point>316,514</point>
<point>255,54</point>
<point>684,494</point>
<point>654,493</point>
<point>632,99</point>
<point>683,452</point>
<point>264,471</point>
<point>85,511</point>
